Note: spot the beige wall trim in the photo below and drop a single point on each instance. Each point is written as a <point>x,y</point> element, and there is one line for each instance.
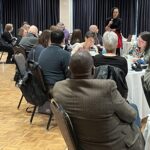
<point>66,14</point>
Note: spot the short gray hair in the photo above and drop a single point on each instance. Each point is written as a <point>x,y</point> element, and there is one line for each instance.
<point>110,40</point>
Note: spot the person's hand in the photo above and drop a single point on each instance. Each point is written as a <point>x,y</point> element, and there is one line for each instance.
<point>135,59</point>
<point>114,30</point>
<point>110,22</point>
<point>107,28</point>
<point>89,43</point>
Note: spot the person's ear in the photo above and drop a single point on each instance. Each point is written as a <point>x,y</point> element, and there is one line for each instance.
<point>63,42</point>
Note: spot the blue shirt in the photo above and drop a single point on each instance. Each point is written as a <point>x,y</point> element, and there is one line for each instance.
<point>54,62</point>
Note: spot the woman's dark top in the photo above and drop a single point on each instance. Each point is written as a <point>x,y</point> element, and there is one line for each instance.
<point>6,36</point>
<point>116,61</point>
<point>115,25</point>
<point>19,37</point>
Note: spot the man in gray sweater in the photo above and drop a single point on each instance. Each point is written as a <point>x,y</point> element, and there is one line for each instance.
<point>54,60</point>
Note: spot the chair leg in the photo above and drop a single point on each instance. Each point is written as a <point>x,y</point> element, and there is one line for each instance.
<point>33,114</point>
<point>20,101</point>
<point>49,121</point>
<point>1,55</point>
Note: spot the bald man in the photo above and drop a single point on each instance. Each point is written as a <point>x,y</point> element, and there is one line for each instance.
<point>102,119</point>
<point>98,37</point>
<point>31,39</point>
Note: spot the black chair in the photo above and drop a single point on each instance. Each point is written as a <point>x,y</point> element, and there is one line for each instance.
<point>34,89</point>
<point>65,125</point>
<point>36,71</point>
<point>113,73</point>
<point>6,47</point>
<point>31,65</point>
<point>2,52</point>
<point>19,49</point>
<point>146,90</point>
<point>20,62</point>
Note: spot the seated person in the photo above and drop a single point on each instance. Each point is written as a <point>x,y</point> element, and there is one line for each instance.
<point>144,45</point>
<point>53,28</point>
<point>54,60</point>
<point>26,26</point>
<point>62,27</point>
<point>31,39</point>
<point>112,64</point>
<point>7,41</point>
<point>22,33</point>
<point>43,42</point>
<point>98,37</point>
<point>87,45</point>
<point>76,37</point>
<point>110,41</point>
<point>7,36</point>
<point>102,119</point>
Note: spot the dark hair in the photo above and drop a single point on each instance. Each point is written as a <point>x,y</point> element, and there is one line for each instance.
<point>81,64</point>
<point>76,37</point>
<point>89,34</point>
<point>112,10</point>
<point>146,37</point>
<point>53,28</point>
<point>44,38</point>
<point>57,36</point>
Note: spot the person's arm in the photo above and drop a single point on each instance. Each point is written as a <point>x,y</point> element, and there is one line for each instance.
<point>108,24</point>
<point>96,49</point>
<point>121,107</point>
<point>76,48</point>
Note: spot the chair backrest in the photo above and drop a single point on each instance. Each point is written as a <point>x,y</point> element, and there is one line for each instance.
<point>19,49</point>
<point>20,63</point>
<point>65,125</point>
<point>146,91</point>
<point>146,134</point>
<point>36,70</point>
<point>33,87</point>
<point>113,73</point>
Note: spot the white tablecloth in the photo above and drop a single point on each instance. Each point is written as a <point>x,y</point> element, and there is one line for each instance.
<point>126,47</point>
<point>136,93</point>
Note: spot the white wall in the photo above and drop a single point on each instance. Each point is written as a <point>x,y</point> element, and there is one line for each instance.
<point>66,14</point>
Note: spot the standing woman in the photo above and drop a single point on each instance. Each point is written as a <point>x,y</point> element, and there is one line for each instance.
<point>114,24</point>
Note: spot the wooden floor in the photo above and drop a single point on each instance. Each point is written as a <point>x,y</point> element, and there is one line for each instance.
<point>16,133</point>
